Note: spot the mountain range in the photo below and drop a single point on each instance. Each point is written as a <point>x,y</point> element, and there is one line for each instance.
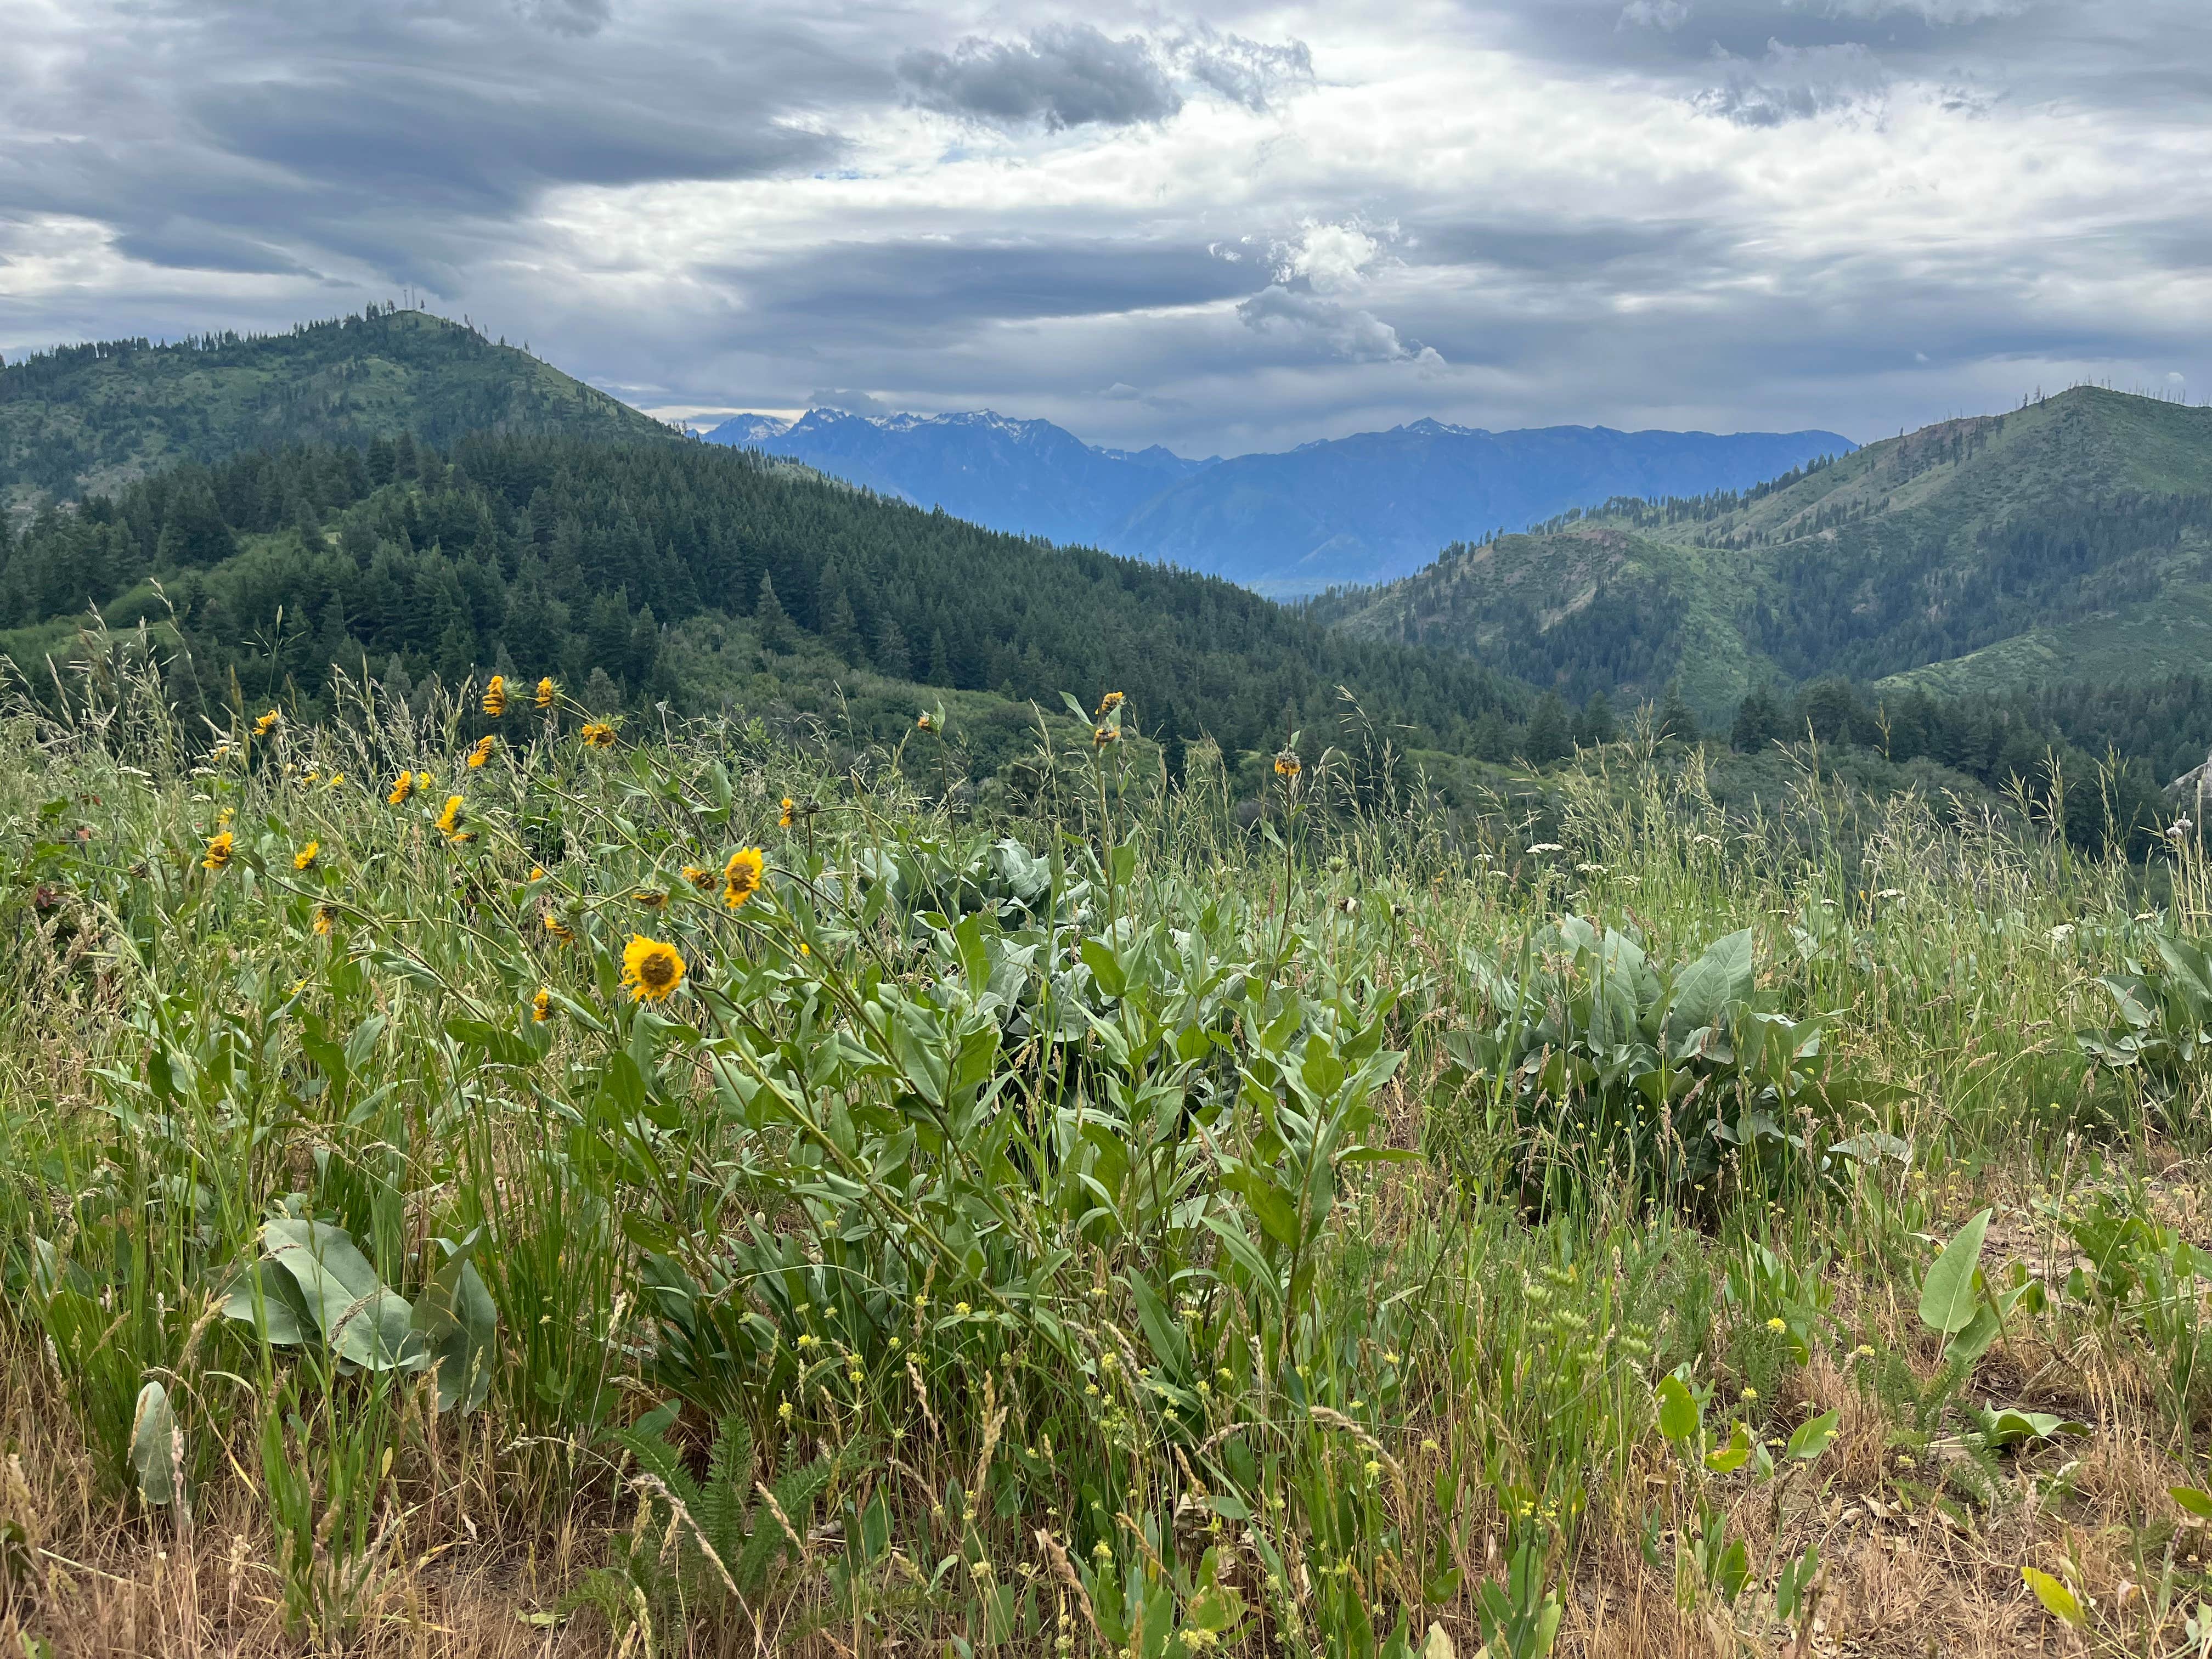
<point>1364,508</point>
<point>2068,539</point>
<point>2060,552</point>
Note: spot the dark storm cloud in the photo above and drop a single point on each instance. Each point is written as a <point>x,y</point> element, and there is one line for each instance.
<point>1792,83</point>
<point>405,139</point>
<point>915,291</point>
<point>1071,74</point>
<point>567,16</point>
<point>1066,75</point>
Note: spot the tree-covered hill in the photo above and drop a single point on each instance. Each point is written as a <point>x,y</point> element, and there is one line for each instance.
<point>681,572</point>
<point>2071,538</point>
<point>93,417</point>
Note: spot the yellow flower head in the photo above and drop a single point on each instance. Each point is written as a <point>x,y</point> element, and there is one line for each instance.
<point>306,857</point>
<point>1288,765</point>
<point>541,1005</point>
<point>449,821</point>
<point>495,696</point>
<point>326,918</point>
<point>218,851</point>
<point>267,723</point>
<point>741,877</point>
<point>790,806</point>
<point>651,968</point>
<point>558,931</point>
<point>536,873</point>
<point>1104,735</point>
<point>546,692</point>
<point>1108,704</point>
<point>598,735</point>
<point>702,880</point>
<point>402,786</point>
<point>652,898</point>
<point>481,752</point>
<point>922,723</point>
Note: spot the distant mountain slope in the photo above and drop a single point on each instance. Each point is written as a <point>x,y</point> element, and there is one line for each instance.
<point>1380,504</point>
<point>1362,508</point>
<point>2071,538</point>
<point>93,418</point>
<point>1028,478</point>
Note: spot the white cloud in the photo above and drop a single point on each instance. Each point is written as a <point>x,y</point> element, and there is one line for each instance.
<point>1332,258</point>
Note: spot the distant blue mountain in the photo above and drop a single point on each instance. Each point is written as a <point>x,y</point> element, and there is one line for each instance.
<point>1366,508</point>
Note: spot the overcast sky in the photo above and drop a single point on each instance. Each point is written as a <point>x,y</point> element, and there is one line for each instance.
<point>1221,227</point>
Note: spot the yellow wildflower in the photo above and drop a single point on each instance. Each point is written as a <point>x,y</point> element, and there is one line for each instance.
<point>495,696</point>
<point>652,898</point>
<point>741,878</point>
<point>1108,704</point>
<point>267,723</point>
<point>541,1005</point>
<point>922,723</point>
<point>536,873</point>
<point>1104,735</point>
<point>558,930</point>
<point>449,821</point>
<point>402,786</point>
<point>306,857</point>
<point>326,918</point>
<point>702,880</point>
<point>546,690</point>
<point>789,807</point>
<point>598,735</point>
<point>1288,765</point>
<point>218,851</point>
<point>481,752</point>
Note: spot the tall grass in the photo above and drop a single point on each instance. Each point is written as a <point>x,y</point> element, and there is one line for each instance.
<point>1127,1225</point>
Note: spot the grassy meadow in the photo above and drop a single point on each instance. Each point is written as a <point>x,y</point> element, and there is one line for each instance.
<point>482,1183</point>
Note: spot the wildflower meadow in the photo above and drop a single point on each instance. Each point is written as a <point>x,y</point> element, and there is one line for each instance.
<point>482,1177</point>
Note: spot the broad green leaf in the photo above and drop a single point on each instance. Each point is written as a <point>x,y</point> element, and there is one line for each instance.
<point>1814,1435</point>
<point>1731,1457</point>
<point>1704,988</point>
<point>281,1318</point>
<point>2197,1503</point>
<point>1947,1297</point>
<point>458,1323</point>
<point>2057,1600</point>
<point>359,1317</point>
<point>1983,1329</point>
<point>153,1446</point>
<point>1678,1410</point>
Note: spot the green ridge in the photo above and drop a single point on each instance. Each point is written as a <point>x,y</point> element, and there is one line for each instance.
<point>2070,538</point>
<point>93,417</point>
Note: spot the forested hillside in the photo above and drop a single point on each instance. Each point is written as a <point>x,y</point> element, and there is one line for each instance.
<point>93,418</point>
<point>673,571</point>
<point>2070,538</point>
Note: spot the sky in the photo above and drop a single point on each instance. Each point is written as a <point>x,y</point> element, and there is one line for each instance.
<point>1220,227</point>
